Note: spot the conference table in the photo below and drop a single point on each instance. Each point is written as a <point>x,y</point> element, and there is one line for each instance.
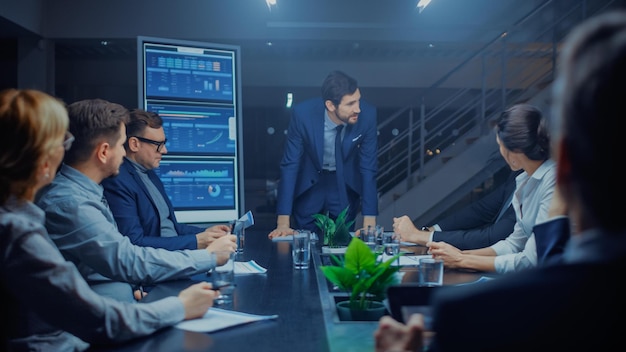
<point>303,300</point>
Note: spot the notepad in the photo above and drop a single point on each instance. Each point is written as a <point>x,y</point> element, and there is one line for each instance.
<point>402,243</point>
<point>289,238</point>
<point>406,260</point>
<point>218,319</point>
<point>249,267</point>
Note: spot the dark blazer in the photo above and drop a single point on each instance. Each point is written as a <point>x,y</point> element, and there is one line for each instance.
<point>551,238</point>
<point>302,160</point>
<point>475,225</point>
<point>136,214</point>
<point>565,307</point>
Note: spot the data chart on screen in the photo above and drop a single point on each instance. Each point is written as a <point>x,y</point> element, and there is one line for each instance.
<point>187,73</point>
<point>199,183</point>
<point>198,129</point>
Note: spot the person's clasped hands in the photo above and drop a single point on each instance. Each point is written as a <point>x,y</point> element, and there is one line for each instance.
<point>404,227</point>
<point>206,237</point>
<point>451,255</point>
<point>222,245</point>
<point>393,336</point>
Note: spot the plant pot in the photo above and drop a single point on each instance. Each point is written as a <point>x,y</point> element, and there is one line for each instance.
<point>376,311</point>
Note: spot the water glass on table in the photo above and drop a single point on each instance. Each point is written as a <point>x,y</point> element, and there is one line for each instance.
<point>430,272</point>
<point>370,237</point>
<point>237,228</point>
<point>301,249</point>
<point>224,277</point>
<point>391,243</point>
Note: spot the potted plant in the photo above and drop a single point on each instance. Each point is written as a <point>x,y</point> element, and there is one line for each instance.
<point>336,233</point>
<point>366,279</point>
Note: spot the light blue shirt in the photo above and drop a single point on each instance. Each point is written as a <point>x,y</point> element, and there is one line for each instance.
<point>531,202</point>
<point>84,230</point>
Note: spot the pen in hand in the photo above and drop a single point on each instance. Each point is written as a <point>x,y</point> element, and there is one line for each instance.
<point>219,287</point>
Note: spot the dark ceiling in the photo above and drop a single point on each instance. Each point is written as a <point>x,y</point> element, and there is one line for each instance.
<point>295,43</point>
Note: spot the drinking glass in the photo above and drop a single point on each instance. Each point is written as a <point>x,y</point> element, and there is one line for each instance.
<point>301,249</point>
<point>224,277</point>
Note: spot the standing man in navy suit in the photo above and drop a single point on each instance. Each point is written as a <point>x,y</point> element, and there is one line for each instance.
<point>317,177</point>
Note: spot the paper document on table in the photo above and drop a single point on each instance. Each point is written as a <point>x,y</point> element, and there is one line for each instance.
<point>217,319</point>
<point>406,260</point>
<point>402,243</point>
<point>249,267</point>
<point>480,279</point>
<point>289,238</point>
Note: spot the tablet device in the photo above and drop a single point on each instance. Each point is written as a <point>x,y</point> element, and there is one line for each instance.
<point>406,299</point>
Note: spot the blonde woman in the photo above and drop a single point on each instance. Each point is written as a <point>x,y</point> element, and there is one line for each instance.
<point>46,303</point>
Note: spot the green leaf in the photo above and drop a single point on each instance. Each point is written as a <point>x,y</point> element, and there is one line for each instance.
<point>335,232</point>
<point>358,273</point>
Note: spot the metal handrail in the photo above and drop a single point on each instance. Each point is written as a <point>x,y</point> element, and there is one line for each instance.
<point>425,133</point>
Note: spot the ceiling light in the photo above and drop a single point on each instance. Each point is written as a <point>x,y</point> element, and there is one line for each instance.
<point>421,5</point>
<point>270,4</point>
<point>289,100</point>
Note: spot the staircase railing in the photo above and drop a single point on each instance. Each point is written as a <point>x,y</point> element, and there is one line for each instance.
<point>508,69</point>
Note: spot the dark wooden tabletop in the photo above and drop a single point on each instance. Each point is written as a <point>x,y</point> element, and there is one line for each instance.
<point>306,321</point>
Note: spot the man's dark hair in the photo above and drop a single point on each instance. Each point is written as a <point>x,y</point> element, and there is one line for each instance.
<point>589,114</point>
<point>91,122</point>
<point>336,85</point>
<point>139,120</point>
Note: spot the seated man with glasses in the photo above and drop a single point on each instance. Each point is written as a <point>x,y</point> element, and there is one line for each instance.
<point>137,198</point>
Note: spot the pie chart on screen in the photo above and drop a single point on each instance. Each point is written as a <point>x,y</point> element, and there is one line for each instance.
<point>215,190</point>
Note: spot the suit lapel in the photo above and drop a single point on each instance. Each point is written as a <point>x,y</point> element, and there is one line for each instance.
<point>349,140</point>
<point>133,173</point>
<point>317,136</point>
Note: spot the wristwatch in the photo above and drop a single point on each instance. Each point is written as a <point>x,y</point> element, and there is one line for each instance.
<point>425,228</point>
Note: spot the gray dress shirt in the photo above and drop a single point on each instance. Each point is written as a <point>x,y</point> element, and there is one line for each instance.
<point>51,306</point>
<point>84,230</point>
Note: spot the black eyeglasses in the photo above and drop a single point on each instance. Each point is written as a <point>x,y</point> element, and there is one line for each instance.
<point>67,142</point>
<point>152,141</point>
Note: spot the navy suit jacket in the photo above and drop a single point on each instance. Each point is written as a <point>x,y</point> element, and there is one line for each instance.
<point>136,214</point>
<point>476,225</point>
<point>551,238</point>
<point>302,160</point>
<point>565,307</point>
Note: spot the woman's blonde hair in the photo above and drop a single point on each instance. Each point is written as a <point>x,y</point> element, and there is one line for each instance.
<point>31,123</point>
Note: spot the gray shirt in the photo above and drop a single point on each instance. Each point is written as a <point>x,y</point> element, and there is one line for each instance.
<point>52,307</point>
<point>83,228</point>
<point>167,226</point>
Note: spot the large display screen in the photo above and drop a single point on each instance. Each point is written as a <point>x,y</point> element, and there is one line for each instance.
<point>195,88</point>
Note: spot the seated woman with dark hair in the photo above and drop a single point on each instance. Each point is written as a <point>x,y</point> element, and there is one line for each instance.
<point>523,137</point>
